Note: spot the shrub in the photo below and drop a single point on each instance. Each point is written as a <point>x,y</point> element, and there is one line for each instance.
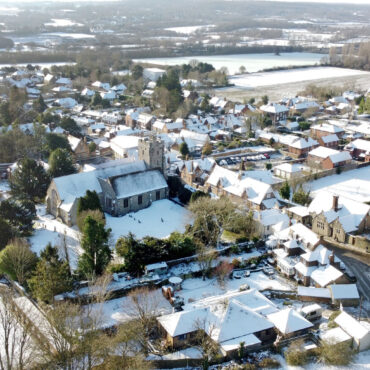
<point>338,170</point>
<point>295,355</point>
<point>339,354</point>
<point>269,363</point>
<point>234,249</point>
<point>119,267</point>
<point>236,263</point>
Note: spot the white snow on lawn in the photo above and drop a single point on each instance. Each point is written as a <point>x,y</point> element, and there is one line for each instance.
<point>159,220</point>
<point>195,289</point>
<point>291,75</point>
<point>353,184</point>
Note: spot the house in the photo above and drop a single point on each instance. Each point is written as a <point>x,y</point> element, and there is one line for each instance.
<point>336,336</point>
<point>325,129</point>
<point>312,294</point>
<point>288,171</point>
<point>79,147</point>
<point>67,103</point>
<point>290,323</point>
<point>300,214</point>
<point>338,217</point>
<point>123,186</point>
<point>156,268</point>
<point>101,85</point>
<point>344,294</point>
<point>268,218</point>
<point>256,194</point>
<point>358,330</point>
<point>323,276</point>
<point>194,140</point>
<point>49,79</point>
<point>168,126</point>
<point>196,172</point>
<point>359,149</point>
<point>276,112</point>
<point>301,146</point>
<point>327,158</point>
<point>145,121</point>
<point>329,141</point>
<point>125,146</point>
<point>228,320</point>
<point>302,106</point>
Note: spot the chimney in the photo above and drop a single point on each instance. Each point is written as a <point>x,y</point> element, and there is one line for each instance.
<point>335,203</point>
<point>331,259</point>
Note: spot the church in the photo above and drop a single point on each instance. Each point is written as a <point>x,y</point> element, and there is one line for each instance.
<point>123,186</point>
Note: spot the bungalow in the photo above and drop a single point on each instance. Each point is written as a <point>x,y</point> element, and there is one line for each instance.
<point>289,323</point>
<point>327,158</point>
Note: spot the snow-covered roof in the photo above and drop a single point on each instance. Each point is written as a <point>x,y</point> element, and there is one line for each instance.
<point>320,254</point>
<point>325,275</point>
<point>138,183</point>
<point>351,326</point>
<point>302,143</point>
<point>122,143</point>
<point>359,144</point>
<point>300,211</point>
<point>326,127</point>
<point>156,266</point>
<point>301,232</point>
<point>313,292</point>
<point>344,291</point>
<point>272,216</point>
<point>73,142</point>
<point>63,81</point>
<point>350,213</point>
<point>330,138</point>
<point>289,321</point>
<point>335,336</point>
<point>274,108</point>
<point>289,167</point>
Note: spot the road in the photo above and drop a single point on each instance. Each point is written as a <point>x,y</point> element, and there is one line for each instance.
<point>359,265</point>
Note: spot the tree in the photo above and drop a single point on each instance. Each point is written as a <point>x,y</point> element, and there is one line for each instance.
<point>96,214</point>
<point>29,180</point>
<point>92,147</point>
<point>17,349</point>
<point>5,233</point>
<point>265,99</point>
<point>19,215</point>
<point>55,141</point>
<point>18,261</point>
<point>207,149</point>
<point>242,69</point>
<point>96,99</point>
<point>198,194</point>
<point>70,125</point>
<point>39,105</point>
<point>61,163</point>
<point>51,276</point>
<point>268,166</point>
<point>301,197</point>
<point>89,202</point>
<point>184,149</point>
<point>222,272</point>
<point>97,253</point>
<point>285,191</point>
<point>137,71</point>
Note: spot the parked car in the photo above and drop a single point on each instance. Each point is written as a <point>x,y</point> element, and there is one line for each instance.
<point>247,273</point>
<point>237,275</point>
<point>268,271</point>
<point>266,156</point>
<point>287,158</point>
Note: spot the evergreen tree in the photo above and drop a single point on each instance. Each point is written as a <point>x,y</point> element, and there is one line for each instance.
<point>29,180</point>
<point>55,141</point>
<point>5,233</point>
<point>184,149</point>
<point>301,197</point>
<point>39,105</point>
<point>137,71</point>
<point>89,202</point>
<point>61,163</point>
<point>70,125</point>
<point>97,253</point>
<point>19,215</point>
<point>285,191</point>
<point>96,100</point>
<point>51,277</point>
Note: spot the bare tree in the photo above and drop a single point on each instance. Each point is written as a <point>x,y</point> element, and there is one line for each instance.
<point>18,349</point>
<point>222,272</point>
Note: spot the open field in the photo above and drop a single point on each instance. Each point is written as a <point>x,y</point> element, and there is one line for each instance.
<point>279,90</point>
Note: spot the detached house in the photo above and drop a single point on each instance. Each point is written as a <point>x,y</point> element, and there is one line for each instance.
<point>196,172</point>
<point>359,149</point>
<point>79,147</point>
<point>327,158</point>
<point>276,112</point>
<point>325,129</point>
<point>338,217</point>
<point>300,147</point>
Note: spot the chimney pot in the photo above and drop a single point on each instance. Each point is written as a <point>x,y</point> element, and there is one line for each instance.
<point>335,203</point>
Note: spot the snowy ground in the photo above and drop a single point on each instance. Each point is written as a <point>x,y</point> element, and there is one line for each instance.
<point>159,220</point>
<point>291,75</point>
<point>353,184</point>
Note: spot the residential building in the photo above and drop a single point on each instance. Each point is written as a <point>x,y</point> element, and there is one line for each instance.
<point>327,158</point>
<point>276,112</point>
<point>325,129</point>
<point>359,149</point>
<point>300,147</point>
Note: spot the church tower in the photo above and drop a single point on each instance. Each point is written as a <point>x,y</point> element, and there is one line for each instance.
<point>151,151</point>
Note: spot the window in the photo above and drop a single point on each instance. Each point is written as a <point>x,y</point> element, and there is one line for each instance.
<point>182,337</point>
<point>125,203</point>
<point>320,225</point>
<point>157,195</point>
<point>108,202</point>
<point>140,199</point>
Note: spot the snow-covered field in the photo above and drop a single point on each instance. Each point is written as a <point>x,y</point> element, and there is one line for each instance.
<point>57,22</point>
<point>189,30</point>
<point>252,62</point>
<point>291,75</point>
<point>353,184</point>
<point>159,220</point>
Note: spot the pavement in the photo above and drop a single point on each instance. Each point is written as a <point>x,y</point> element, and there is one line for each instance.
<point>359,265</point>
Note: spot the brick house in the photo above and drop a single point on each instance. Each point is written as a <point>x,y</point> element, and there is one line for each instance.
<point>196,172</point>
<point>300,147</point>
<point>327,158</point>
<point>79,147</point>
<point>329,141</point>
<point>276,112</point>
<point>325,129</point>
<point>359,149</point>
